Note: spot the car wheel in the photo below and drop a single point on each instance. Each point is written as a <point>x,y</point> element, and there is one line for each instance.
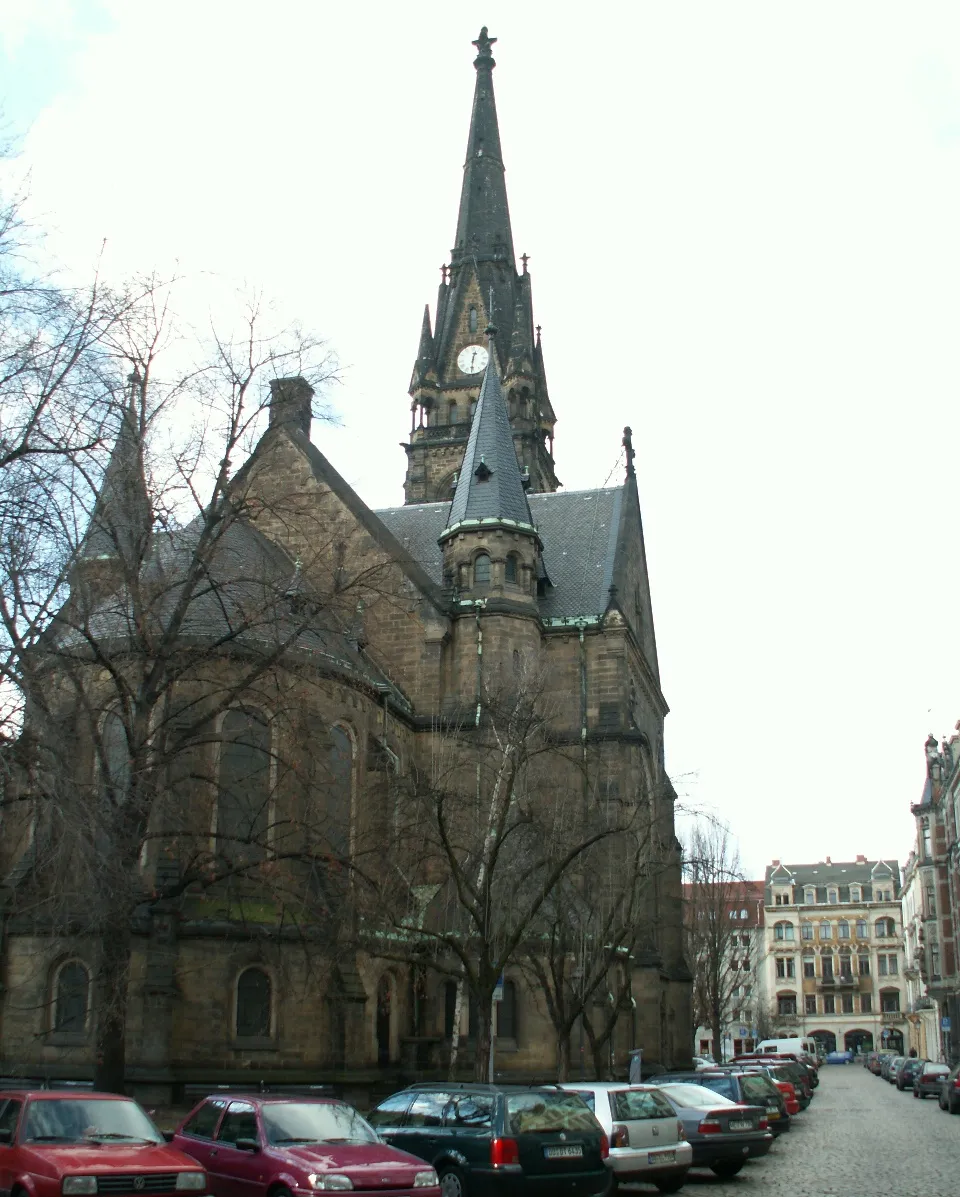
<point>452,1182</point>
<point>940,1102</point>
<point>917,1093</point>
<point>726,1168</point>
<point>672,1184</point>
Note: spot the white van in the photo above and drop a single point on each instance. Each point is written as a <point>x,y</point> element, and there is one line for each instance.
<point>796,1045</point>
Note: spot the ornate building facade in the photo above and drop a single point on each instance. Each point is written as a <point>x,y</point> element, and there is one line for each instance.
<point>381,629</point>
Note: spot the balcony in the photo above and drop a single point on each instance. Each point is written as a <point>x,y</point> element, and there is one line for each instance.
<point>787,1020</point>
<point>889,1017</point>
<point>843,981</point>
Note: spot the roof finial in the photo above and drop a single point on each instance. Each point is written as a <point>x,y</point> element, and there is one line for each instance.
<point>483,44</point>
<point>629,450</point>
<point>444,271</point>
<point>524,258</point>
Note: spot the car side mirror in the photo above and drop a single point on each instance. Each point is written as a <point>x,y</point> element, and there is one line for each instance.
<point>6,1134</point>
<point>247,1145</point>
<point>168,1135</point>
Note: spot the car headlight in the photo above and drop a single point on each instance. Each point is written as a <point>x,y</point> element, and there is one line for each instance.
<point>79,1184</point>
<point>331,1182</point>
<point>192,1180</point>
<point>426,1180</point>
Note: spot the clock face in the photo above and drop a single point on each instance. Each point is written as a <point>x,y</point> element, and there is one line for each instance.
<point>473,359</point>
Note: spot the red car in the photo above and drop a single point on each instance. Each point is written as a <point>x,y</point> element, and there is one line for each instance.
<point>63,1144</point>
<point>283,1146</point>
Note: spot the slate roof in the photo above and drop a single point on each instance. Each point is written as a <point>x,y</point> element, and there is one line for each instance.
<point>579,534</point>
<point>489,485</point>
<point>837,874</point>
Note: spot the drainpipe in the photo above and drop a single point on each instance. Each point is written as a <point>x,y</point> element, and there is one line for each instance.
<point>583,708</point>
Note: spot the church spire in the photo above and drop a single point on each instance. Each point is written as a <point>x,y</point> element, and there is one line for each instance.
<point>483,223</point>
<point>489,487</point>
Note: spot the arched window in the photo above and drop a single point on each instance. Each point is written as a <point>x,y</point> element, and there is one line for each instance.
<point>254,1004</point>
<point>339,806</point>
<point>452,417</point>
<point>473,408</point>
<point>884,928</point>
<point>510,569</point>
<point>71,998</point>
<point>861,928</point>
<point>806,930</point>
<point>810,896</point>
<point>832,897</point>
<point>783,931</point>
<point>507,1012</point>
<point>473,319</point>
<point>481,570</point>
<point>115,759</point>
<point>243,804</point>
<point>843,929</point>
<point>826,931</point>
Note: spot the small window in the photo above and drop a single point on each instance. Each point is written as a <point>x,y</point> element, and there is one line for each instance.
<point>473,319</point>
<point>810,897</point>
<point>453,413</point>
<point>826,931</point>
<point>71,999</point>
<point>832,897</point>
<point>253,1004</point>
<point>239,1122</point>
<point>809,967</point>
<point>481,570</point>
<point>806,930</point>
<point>743,914</point>
<point>861,928</point>
<point>204,1121</point>
<point>810,1003</point>
<point>843,929</point>
<point>863,966</point>
<point>855,893</point>
<point>510,570</point>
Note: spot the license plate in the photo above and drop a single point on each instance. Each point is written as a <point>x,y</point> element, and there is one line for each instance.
<point>741,1124</point>
<point>662,1157</point>
<point>563,1153</point>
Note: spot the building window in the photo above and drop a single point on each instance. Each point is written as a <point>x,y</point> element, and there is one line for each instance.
<point>810,896</point>
<point>785,966</point>
<point>926,841</point>
<point>71,998</point>
<point>829,1004</point>
<point>884,928</point>
<point>866,1003</point>
<point>935,960</point>
<point>846,1002</point>
<point>890,1001</point>
<point>846,971</point>
<point>861,928</point>
<point>453,413</point>
<point>473,319</point>
<point>114,760</point>
<point>855,893</point>
<point>473,408</point>
<point>887,966</point>
<point>843,929</point>
<point>783,931</point>
<point>809,966</point>
<point>806,930</point>
<point>244,798</point>
<point>826,967</point>
<point>782,898</point>
<point>507,1012</point>
<point>510,569</point>
<point>339,797</point>
<point>254,998</point>
<point>810,1003</point>
<point>931,911</point>
<point>826,932</point>
<point>863,965</point>
<point>481,570</point>
<point>832,897</point>
<point>786,1003</point>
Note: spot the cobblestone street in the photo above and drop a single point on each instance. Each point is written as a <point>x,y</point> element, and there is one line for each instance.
<point>859,1138</point>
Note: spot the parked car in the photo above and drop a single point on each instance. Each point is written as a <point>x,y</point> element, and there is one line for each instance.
<point>839,1058</point>
<point>908,1070</point>
<point>949,1095</point>
<point>890,1067</point>
<point>704,1062</point>
<point>69,1143</point>
<point>493,1139</point>
<point>926,1082</point>
<point>722,1134</point>
<point>647,1142</point>
<point>258,1145</point>
<point>790,1069</point>
<point>790,1085</point>
<point>742,1086</point>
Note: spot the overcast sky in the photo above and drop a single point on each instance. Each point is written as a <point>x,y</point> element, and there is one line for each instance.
<point>744,229</point>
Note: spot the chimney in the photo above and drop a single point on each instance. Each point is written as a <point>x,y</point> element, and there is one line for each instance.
<point>861,859</point>
<point>290,403</point>
<point>828,861</point>
<point>776,863</point>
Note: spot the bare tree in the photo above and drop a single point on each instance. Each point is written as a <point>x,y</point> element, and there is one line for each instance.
<point>714,893</point>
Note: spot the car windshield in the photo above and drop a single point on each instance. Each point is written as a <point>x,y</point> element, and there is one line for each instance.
<point>633,1105</point>
<point>539,1113</point>
<point>695,1095</point>
<point>723,1085</point>
<point>74,1119</point>
<point>291,1122</point>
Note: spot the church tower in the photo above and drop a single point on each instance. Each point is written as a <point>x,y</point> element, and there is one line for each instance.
<point>481,286</point>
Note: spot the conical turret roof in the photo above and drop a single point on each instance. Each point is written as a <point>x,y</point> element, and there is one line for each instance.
<point>489,488</point>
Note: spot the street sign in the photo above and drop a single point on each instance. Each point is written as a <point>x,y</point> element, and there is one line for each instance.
<point>743,1032</point>
<point>498,989</point>
<point>944,1024</point>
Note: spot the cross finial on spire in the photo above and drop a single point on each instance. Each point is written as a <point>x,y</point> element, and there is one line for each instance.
<point>524,258</point>
<point>483,44</point>
<point>629,450</point>
<point>444,271</point>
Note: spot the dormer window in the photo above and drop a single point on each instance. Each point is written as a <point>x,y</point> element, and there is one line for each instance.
<point>482,472</point>
<point>854,893</point>
<point>481,570</point>
<point>473,319</point>
<point>810,896</point>
<point>832,896</point>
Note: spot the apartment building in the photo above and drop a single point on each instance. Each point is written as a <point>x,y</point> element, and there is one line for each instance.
<point>833,958</point>
<point>918,898</point>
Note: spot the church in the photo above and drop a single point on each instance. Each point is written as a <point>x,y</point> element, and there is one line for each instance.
<point>331,653</point>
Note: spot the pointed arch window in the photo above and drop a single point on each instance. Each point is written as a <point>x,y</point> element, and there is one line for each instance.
<point>243,803</point>
<point>71,998</point>
<point>510,569</point>
<point>339,805</point>
<point>473,319</point>
<point>481,570</point>
<point>452,414</point>
<point>254,1007</point>
<point>114,759</point>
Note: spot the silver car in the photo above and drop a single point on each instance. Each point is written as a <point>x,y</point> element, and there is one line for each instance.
<point>646,1137</point>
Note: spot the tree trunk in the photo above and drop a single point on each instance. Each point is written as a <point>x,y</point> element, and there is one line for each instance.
<point>716,1029</point>
<point>110,1009</point>
<point>563,1056</point>
<point>455,1032</point>
<point>481,1059</point>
